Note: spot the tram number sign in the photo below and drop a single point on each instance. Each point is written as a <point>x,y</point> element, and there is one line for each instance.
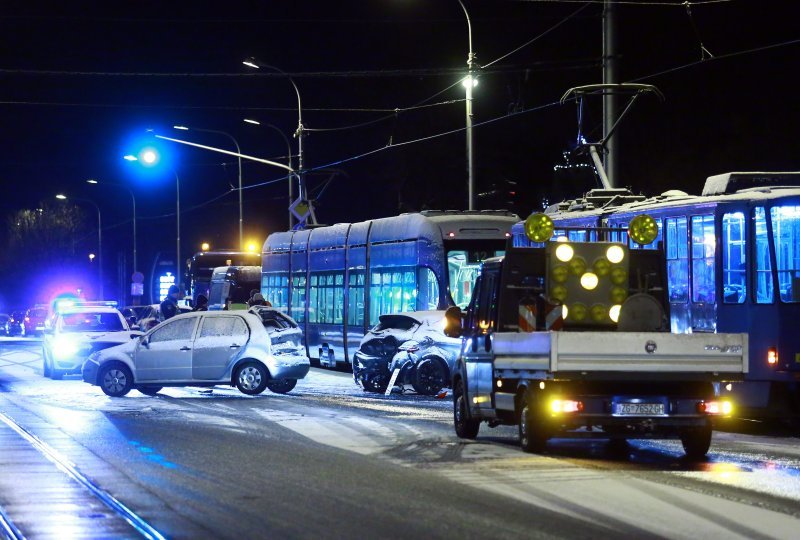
<point>475,257</point>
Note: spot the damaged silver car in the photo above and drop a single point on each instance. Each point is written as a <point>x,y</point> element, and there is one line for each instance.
<point>412,343</point>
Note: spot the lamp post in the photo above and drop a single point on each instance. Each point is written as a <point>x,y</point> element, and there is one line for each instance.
<point>149,157</point>
<point>63,197</point>
<point>469,83</point>
<point>238,151</point>
<point>251,62</point>
<point>288,158</point>
<point>133,202</point>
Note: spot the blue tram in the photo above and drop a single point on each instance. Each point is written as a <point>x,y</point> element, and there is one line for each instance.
<point>335,281</point>
<point>732,259</point>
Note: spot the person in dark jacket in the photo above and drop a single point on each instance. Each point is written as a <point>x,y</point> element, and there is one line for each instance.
<point>201,304</point>
<point>169,307</point>
<point>257,300</point>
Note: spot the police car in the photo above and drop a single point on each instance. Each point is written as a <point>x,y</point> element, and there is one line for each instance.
<point>78,330</point>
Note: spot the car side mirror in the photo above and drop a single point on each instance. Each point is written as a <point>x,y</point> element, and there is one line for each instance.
<point>453,322</point>
<point>145,341</point>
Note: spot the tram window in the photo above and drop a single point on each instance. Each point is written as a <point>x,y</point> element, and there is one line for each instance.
<point>428,289</point>
<point>786,235</point>
<point>355,305</point>
<point>703,244</point>
<point>576,236</point>
<point>677,260</point>
<point>463,268</point>
<point>312,298</point>
<point>275,288</point>
<point>298,309</point>
<point>763,285</point>
<point>391,291</point>
<point>734,258</point>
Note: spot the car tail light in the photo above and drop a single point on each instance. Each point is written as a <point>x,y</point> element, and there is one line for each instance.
<point>723,408</point>
<point>772,356</point>
<point>27,319</point>
<point>566,406</point>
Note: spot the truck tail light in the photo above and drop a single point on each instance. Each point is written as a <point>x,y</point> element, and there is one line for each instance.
<point>723,408</point>
<point>566,406</point>
<point>772,356</point>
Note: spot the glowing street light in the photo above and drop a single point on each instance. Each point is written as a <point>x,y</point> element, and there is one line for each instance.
<point>150,157</point>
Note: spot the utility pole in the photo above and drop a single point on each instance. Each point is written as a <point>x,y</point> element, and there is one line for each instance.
<point>610,76</point>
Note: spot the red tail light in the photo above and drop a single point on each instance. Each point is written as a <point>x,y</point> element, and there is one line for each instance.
<point>723,408</point>
<point>772,356</point>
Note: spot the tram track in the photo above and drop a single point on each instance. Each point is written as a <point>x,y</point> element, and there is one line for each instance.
<point>10,530</point>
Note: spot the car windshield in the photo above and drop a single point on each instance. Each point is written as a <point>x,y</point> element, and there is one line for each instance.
<point>91,322</point>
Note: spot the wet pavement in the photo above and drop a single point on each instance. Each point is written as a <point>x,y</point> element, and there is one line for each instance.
<point>328,459</point>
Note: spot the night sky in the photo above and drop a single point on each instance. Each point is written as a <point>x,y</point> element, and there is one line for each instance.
<point>80,83</point>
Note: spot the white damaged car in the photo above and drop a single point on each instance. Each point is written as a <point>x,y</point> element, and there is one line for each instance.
<point>203,348</point>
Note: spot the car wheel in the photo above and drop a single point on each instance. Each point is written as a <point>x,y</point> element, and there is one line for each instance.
<point>251,378</point>
<point>532,435</point>
<point>115,379</point>
<point>430,377</point>
<point>374,383</point>
<point>696,440</point>
<point>281,386</point>
<point>45,364</point>
<point>466,427</point>
<point>149,390</point>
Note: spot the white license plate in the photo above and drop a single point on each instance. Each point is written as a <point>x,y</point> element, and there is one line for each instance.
<point>638,409</point>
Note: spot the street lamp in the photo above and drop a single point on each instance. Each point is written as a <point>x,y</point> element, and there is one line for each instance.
<point>150,157</point>
<point>63,197</point>
<point>133,201</point>
<point>469,83</point>
<point>289,159</point>
<point>251,62</point>
<point>239,157</point>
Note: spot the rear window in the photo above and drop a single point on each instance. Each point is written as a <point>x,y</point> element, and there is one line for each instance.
<point>399,322</point>
<point>38,313</point>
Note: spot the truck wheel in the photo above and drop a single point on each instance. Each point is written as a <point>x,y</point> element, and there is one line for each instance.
<point>532,436</point>
<point>696,440</point>
<point>466,427</point>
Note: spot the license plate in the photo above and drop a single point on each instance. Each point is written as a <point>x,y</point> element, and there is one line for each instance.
<point>638,409</point>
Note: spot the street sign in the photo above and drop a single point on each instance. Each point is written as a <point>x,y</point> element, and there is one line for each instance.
<point>137,277</point>
<point>137,289</point>
<point>301,208</point>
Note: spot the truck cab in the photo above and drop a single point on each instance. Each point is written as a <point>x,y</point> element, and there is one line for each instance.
<point>571,340</point>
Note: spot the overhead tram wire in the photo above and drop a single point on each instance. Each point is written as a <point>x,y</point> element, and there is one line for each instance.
<point>630,2</point>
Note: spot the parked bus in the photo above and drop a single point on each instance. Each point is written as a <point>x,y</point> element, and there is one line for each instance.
<point>203,263</point>
<point>231,286</point>
<point>336,281</point>
<point>732,258</point>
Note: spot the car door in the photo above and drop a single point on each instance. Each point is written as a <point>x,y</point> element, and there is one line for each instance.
<point>217,345</point>
<point>166,353</point>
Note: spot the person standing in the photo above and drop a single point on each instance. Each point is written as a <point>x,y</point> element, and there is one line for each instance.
<point>201,304</point>
<point>169,307</point>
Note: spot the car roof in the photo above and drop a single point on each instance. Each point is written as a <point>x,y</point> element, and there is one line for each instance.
<point>89,309</point>
<point>419,316</point>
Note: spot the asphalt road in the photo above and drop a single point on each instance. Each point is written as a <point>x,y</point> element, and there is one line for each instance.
<point>329,461</point>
